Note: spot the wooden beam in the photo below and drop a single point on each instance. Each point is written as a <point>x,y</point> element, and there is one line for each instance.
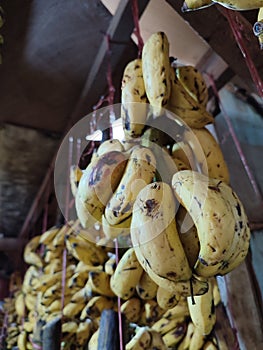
<point>119,31</point>
<point>213,27</point>
<point>11,244</point>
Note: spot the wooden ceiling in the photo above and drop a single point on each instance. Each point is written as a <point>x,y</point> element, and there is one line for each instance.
<point>54,66</point>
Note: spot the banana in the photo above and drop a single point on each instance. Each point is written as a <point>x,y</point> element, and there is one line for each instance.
<point>109,146</point>
<point>184,106</point>
<point>179,310</point>
<point>55,306</point>
<point>100,283</point>
<point>98,182</point>
<point>175,335</point>
<point>139,171</point>
<point>74,176</point>
<point>131,308</point>
<point>214,160</point>
<point>53,267</point>
<point>48,236</point>
<point>183,152</point>
<point>127,275</point>
<point>78,280</point>
<point>156,71</point>
<point>82,295</point>
<point>72,309</point>
<point>150,313</point>
<point>216,291</point>
<point>166,299</point>
<point>157,342</point>
<point>83,332</point>
<point>188,235</point>
<point>31,256</point>
<point>94,339</point>
<point>191,5</point>
<point>46,281</point>
<point>81,267</point>
<point>22,341</point>
<point>95,306</point>
<point>69,327</point>
<point>240,5</point>
<point>202,311</point>
<point>30,301</point>
<point>154,233</point>
<point>185,343</point>
<point>110,265</point>
<point>190,78</point>
<point>258,27</point>
<point>141,340</point>
<point>146,287</point>
<point>133,99</point>
<point>117,230</point>
<point>209,345</point>
<point>164,325</point>
<point>85,251</point>
<point>20,304</point>
<point>197,340</point>
<point>210,204</point>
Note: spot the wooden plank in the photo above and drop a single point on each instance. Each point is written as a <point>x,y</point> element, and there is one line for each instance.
<point>119,31</point>
<point>213,27</point>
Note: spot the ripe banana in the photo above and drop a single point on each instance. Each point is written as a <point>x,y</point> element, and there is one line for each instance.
<point>202,311</point>
<point>54,266</point>
<point>83,332</point>
<point>209,345</point>
<point>139,171</point>
<point>191,5</point>
<point>98,182</point>
<point>117,230</point>
<point>146,287</point>
<point>188,235</point>
<point>141,340</point>
<point>127,275</point>
<point>94,339</point>
<point>151,312</point>
<point>166,299</point>
<point>110,264</point>
<point>95,306</point>
<point>154,233</point>
<point>69,327</point>
<point>175,335</point>
<point>156,71</point>
<point>214,160</point>
<point>190,78</point>
<point>100,283</point>
<point>157,342</point>
<point>131,308</point>
<point>185,343</point>
<point>78,279</point>
<point>240,5</point>
<point>179,310</point>
<point>258,27</point>
<point>74,176</point>
<point>184,106</point>
<point>164,325</point>
<point>109,146</point>
<point>48,236</point>
<point>72,309</point>
<point>31,256</point>
<point>20,305</point>
<point>22,341</point>
<point>210,203</point>
<point>133,99</point>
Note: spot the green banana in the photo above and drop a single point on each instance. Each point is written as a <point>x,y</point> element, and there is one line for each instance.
<point>156,71</point>
<point>133,99</point>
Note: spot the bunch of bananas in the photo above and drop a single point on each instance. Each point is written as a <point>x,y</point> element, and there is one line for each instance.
<point>236,5</point>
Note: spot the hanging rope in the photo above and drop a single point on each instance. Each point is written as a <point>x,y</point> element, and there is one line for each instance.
<point>137,31</point>
<point>238,32</point>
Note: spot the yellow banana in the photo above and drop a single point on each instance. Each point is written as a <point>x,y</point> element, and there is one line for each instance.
<point>22,341</point>
<point>154,233</point>
<point>109,146</point>
<point>240,5</point>
<point>183,152</point>
<point>98,182</point>
<point>20,304</point>
<point>209,345</point>
<point>146,287</point>
<point>131,308</point>
<point>164,325</point>
<point>30,301</point>
<point>54,266</point>
<point>175,335</point>
<point>141,340</point>
<point>78,280</point>
<point>48,236</point>
<point>190,78</point>
<point>100,283</point>
<point>81,266</point>
<point>157,342</point>
<point>156,70</point>
<point>166,299</point>
<point>184,106</point>
<point>179,310</point>
<point>258,27</point>
<point>151,312</point>
<point>188,235</point>
<point>83,332</point>
<point>69,327</point>
<point>210,203</point>
<point>72,309</point>
<point>133,99</point>
<point>95,306</point>
<point>139,171</point>
<point>202,311</point>
<point>197,340</point>
<point>127,275</point>
<point>185,343</point>
<point>214,160</point>
<point>94,339</point>
<point>116,230</point>
<point>191,5</point>
<point>216,291</point>
<point>74,176</point>
<point>31,256</point>
<point>110,265</point>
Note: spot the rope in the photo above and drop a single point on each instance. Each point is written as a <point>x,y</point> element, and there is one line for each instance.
<point>137,31</point>
<point>118,298</point>
<point>237,30</point>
